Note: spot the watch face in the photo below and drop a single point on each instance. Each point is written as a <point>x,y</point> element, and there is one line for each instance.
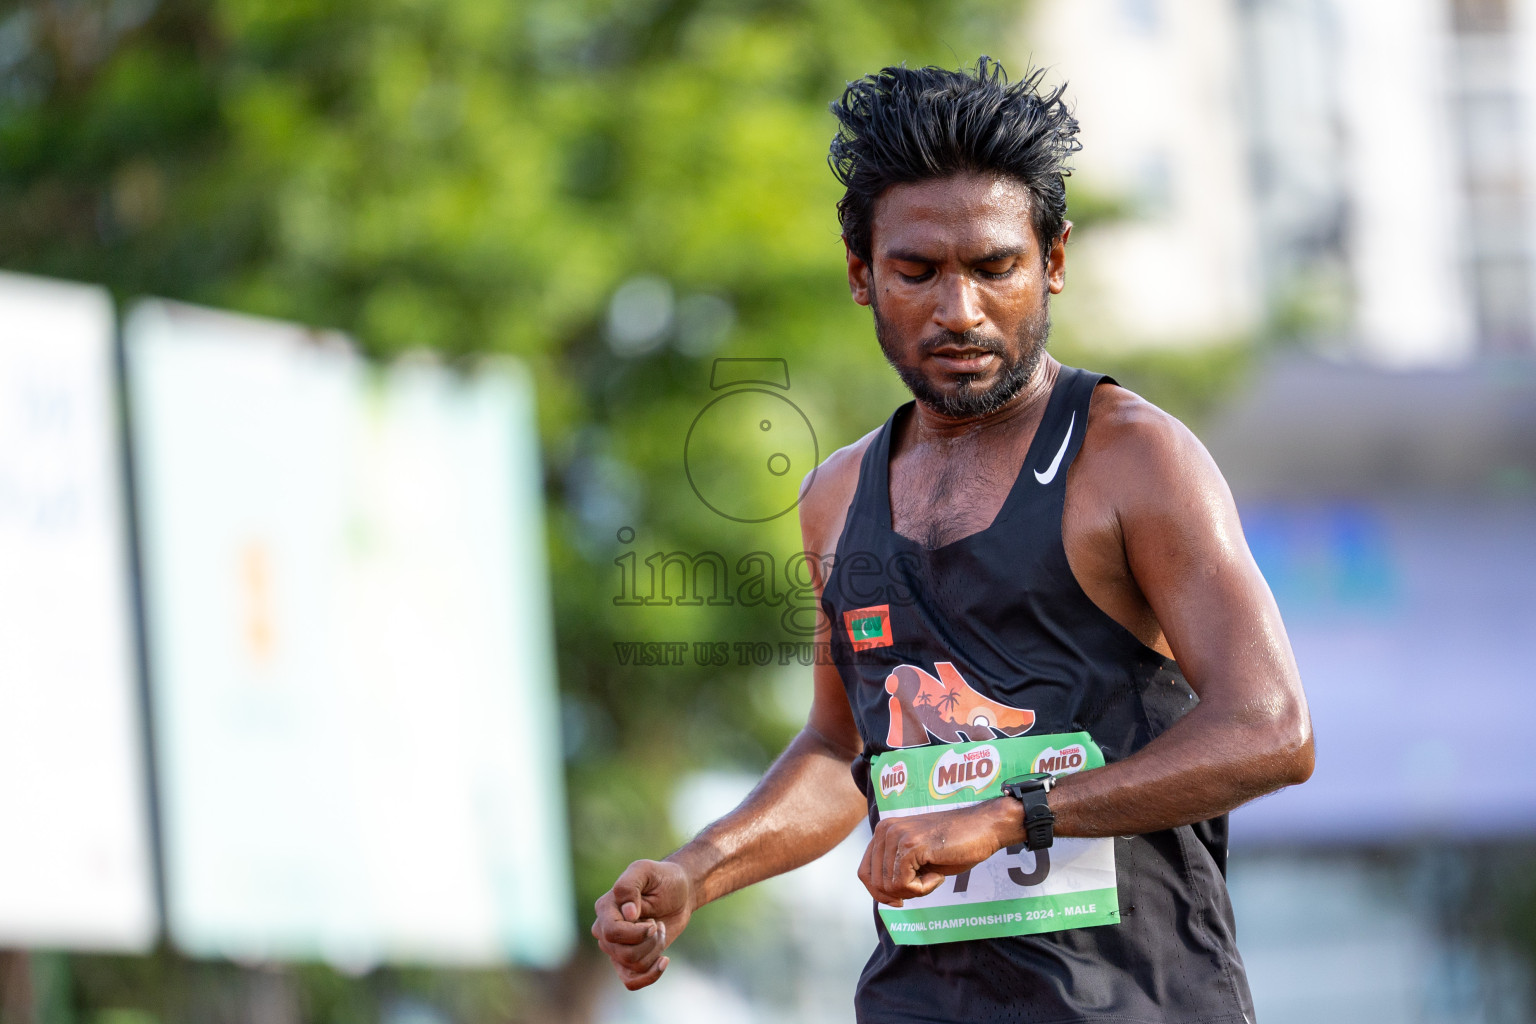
<point>1039,782</point>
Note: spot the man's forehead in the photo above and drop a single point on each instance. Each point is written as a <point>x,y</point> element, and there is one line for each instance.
<point>967,210</point>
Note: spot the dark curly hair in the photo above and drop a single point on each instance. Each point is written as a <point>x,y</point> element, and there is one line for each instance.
<point>902,125</point>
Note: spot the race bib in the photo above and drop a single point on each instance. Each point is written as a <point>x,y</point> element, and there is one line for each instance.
<point>1014,892</point>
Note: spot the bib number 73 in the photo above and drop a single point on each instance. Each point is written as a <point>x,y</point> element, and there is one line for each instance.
<point>1017,875</point>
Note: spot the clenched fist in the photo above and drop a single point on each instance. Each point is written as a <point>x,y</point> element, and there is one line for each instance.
<point>909,856</point>
<point>647,908</point>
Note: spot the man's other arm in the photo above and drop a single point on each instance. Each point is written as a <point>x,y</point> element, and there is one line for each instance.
<point>805,804</point>
<point>1250,734</point>
<point>1171,513</point>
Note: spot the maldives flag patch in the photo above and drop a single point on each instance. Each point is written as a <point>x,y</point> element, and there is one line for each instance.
<point>869,628</point>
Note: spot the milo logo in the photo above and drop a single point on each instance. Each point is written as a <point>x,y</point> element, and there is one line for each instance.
<point>954,771</point>
<point>893,779</point>
<point>1061,762</point>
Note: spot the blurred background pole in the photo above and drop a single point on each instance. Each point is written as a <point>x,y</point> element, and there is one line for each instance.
<point>271,997</point>
<point>17,1005</point>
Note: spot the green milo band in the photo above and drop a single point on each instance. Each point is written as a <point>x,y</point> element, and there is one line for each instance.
<point>1014,892</point>
<point>941,775</point>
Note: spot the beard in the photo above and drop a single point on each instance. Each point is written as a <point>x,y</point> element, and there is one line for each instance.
<point>970,398</point>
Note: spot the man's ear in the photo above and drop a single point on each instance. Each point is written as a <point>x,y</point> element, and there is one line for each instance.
<point>1056,263</point>
<point>859,278</point>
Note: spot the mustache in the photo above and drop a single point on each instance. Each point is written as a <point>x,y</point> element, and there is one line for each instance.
<point>963,339</point>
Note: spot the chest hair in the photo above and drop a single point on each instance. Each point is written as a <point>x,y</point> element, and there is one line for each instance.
<point>944,493</point>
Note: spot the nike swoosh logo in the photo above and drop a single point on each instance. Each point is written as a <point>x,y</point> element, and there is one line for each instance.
<point>1050,472</point>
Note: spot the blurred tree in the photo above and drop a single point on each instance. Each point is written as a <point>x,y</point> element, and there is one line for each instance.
<point>616,192</point>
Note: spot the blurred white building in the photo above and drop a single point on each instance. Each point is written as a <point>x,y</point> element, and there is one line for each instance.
<point>1355,169</point>
<point>1155,89</point>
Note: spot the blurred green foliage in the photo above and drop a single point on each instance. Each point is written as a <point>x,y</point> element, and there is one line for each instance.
<point>476,177</point>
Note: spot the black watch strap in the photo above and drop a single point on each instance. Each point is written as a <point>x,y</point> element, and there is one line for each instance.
<point>1039,821</point>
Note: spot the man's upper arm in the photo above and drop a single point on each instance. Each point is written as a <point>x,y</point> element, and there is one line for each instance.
<point>824,503</point>
<point>1185,549</point>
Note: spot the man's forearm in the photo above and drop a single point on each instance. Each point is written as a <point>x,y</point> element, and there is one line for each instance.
<point>1190,773</point>
<point>1203,766</point>
<point>1196,770</point>
<point>805,805</point>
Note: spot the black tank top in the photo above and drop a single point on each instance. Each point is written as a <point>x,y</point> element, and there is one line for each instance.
<point>1003,607</point>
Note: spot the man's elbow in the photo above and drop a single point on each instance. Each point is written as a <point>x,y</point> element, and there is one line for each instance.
<point>1300,762</point>
<point>1288,744</point>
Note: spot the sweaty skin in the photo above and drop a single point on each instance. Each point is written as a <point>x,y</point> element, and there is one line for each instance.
<point>1150,531</point>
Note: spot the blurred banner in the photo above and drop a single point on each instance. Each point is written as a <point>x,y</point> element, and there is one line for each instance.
<point>1405,617</point>
<point>1394,516</point>
<point>75,866</point>
<point>352,673</point>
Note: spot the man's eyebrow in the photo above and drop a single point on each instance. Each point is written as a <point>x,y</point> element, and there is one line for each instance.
<point>913,256</point>
<point>907,256</point>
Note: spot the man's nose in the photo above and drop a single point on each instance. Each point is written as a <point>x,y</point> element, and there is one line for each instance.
<point>959,306</point>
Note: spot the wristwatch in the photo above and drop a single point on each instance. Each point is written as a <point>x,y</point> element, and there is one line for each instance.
<point>1039,822</point>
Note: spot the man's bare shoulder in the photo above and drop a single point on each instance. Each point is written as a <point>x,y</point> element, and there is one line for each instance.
<point>826,494</point>
<point>1136,451</point>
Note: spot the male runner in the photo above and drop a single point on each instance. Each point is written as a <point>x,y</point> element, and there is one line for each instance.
<point>1036,573</point>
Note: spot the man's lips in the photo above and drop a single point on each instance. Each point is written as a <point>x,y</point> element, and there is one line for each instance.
<point>963,360</point>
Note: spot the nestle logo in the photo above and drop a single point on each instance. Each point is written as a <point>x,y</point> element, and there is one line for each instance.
<point>973,770</point>
<point>1061,762</point>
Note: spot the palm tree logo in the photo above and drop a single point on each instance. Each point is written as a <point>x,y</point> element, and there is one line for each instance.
<point>947,704</point>
<point>947,708</point>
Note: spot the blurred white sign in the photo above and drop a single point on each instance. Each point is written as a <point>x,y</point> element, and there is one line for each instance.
<point>74,859</point>
<point>351,650</point>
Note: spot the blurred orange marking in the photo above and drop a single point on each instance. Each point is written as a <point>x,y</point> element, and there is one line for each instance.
<point>256,582</point>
